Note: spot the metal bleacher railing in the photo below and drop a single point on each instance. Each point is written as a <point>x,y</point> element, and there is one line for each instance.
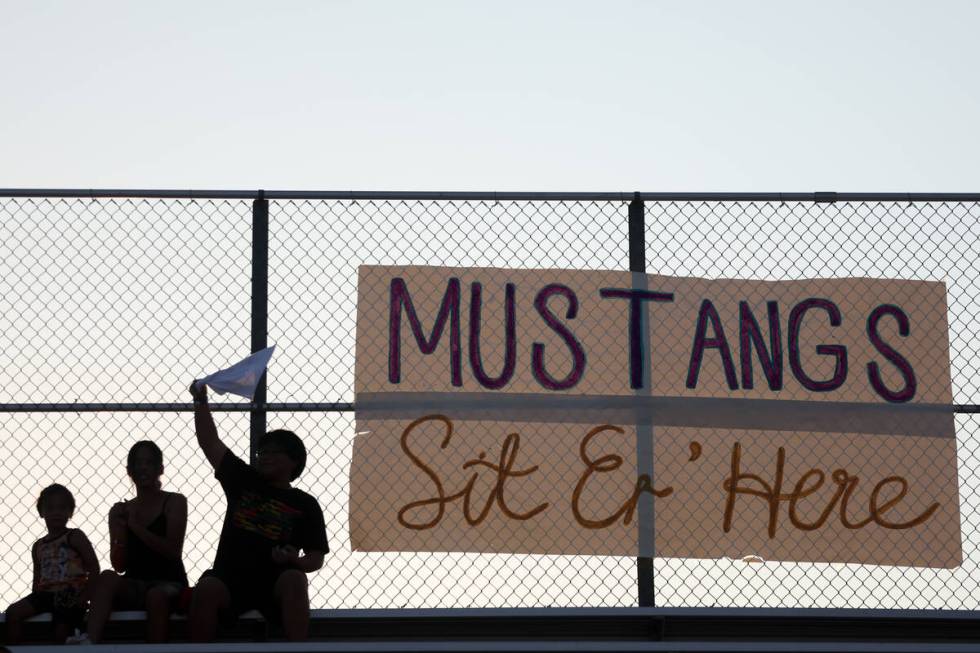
<point>112,301</point>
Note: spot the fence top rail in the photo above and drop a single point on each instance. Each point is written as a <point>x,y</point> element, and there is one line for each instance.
<point>492,196</point>
<point>241,407</point>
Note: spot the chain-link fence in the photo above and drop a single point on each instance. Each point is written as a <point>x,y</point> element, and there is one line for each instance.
<point>111,304</point>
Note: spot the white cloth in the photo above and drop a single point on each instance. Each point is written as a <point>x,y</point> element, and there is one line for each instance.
<point>242,378</point>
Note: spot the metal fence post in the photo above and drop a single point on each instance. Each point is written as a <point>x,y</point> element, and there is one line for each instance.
<point>260,311</point>
<point>644,434</point>
<point>637,236</point>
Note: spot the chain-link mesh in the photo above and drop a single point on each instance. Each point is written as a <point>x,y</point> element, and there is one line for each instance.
<point>804,240</point>
<point>114,301</point>
<point>126,301</point>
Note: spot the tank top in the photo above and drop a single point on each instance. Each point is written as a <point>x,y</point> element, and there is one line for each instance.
<point>143,563</point>
<point>59,565</point>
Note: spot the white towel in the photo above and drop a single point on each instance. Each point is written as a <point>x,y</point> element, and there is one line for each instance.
<point>242,378</point>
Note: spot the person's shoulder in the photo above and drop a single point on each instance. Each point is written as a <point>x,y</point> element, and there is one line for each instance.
<point>231,461</point>
<point>304,497</point>
<point>231,466</point>
<point>175,497</point>
<point>49,538</point>
<point>175,505</point>
<point>75,536</point>
<point>299,492</point>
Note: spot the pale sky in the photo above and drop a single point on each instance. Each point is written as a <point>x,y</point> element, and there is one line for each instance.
<point>556,96</point>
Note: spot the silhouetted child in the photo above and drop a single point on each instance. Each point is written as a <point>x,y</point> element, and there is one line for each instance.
<point>64,561</point>
<point>258,564</point>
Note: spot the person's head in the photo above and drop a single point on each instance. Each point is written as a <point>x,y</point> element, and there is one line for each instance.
<point>280,456</point>
<point>144,464</point>
<point>56,505</point>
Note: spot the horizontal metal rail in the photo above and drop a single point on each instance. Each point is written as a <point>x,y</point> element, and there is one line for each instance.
<point>512,630</point>
<point>287,407</point>
<point>492,196</point>
<point>177,407</point>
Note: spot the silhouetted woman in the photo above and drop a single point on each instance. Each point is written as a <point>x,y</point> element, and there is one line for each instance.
<point>147,536</point>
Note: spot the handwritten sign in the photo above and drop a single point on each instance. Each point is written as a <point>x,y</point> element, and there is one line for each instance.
<point>504,411</point>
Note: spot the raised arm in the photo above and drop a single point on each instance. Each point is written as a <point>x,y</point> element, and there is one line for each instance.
<point>207,435</point>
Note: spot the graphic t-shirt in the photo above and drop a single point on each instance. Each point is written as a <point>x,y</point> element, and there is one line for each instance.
<point>261,517</point>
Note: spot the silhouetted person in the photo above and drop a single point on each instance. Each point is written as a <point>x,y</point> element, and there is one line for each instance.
<point>147,538</point>
<point>64,561</point>
<point>259,564</point>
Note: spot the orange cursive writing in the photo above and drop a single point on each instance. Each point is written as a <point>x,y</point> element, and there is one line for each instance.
<point>503,470</point>
<point>809,483</point>
<point>604,464</point>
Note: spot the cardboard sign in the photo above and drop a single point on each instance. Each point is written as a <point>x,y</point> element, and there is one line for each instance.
<point>610,413</point>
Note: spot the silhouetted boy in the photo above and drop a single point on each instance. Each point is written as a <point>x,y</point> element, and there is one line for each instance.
<point>268,523</point>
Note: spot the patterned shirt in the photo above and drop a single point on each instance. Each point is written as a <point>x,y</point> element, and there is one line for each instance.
<point>261,517</point>
<point>59,564</point>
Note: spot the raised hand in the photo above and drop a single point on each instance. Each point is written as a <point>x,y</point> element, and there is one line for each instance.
<point>118,516</point>
<point>199,391</point>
